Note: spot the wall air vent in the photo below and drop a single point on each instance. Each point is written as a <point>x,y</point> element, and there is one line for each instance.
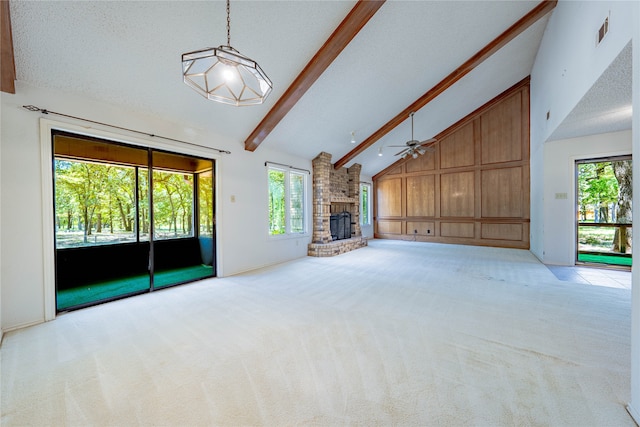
<point>604,29</point>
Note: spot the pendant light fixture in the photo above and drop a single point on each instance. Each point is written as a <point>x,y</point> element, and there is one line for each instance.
<point>224,75</point>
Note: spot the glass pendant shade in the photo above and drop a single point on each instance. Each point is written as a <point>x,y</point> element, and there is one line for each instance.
<point>224,75</point>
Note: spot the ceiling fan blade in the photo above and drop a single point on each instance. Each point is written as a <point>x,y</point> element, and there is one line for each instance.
<point>400,152</point>
<point>428,141</point>
<point>405,146</point>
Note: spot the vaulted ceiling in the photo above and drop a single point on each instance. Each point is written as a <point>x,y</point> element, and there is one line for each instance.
<point>128,53</point>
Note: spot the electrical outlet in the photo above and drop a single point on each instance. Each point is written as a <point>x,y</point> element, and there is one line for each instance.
<point>428,231</point>
<point>415,231</point>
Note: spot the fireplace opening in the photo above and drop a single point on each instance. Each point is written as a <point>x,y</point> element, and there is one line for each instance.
<point>340,224</point>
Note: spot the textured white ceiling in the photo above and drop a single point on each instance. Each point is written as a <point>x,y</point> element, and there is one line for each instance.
<point>128,53</point>
<point>607,105</point>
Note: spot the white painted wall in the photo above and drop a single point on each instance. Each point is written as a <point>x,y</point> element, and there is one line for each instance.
<point>634,403</point>
<point>559,179</point>
<point>243,241</point>
<point>1,331</point>
<point>568,63</point>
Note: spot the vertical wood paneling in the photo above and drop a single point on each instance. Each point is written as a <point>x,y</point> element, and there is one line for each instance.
<point>502,231</point>
<point>502,193</point>
<point>457,229</point>
<point>389,197</point>
<point>395,171</point>
<point>502,131</point>
<point>422,163</point>
<point>7,60</point>
<point>458,149</point>
<point>390,227</point>
<point>474,189</point>
<point>421,195</point>
<point>457,195</point>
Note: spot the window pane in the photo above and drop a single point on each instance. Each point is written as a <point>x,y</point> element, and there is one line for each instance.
<point>172,205</point>
<point>296,201</point>
<point>277,219</point>
<point>143,205</point>
<point>205,182</point>
<point>94,204</point>
<point>364,205</point>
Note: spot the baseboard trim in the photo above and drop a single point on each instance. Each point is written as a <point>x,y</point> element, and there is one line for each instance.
<point>22,325</point>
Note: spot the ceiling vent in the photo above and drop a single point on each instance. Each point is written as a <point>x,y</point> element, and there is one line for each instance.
<point>604,29</point>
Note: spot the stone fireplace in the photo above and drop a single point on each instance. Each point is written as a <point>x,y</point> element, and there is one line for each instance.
<point>335,192</point>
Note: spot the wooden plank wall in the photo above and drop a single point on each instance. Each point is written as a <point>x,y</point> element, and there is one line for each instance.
<point>473,189</point>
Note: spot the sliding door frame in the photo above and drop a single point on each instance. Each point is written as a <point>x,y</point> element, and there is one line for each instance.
<point>576,164</point>
<point>47,126</point>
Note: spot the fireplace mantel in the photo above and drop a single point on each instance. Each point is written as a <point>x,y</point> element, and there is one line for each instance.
<point>342,199</point>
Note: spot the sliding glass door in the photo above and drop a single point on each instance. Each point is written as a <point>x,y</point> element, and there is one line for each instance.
<point>180,251</point>
<point>121,231</point>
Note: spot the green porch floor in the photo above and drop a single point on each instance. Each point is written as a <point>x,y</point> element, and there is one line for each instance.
<point>95,292</point>
<point>605,259</point>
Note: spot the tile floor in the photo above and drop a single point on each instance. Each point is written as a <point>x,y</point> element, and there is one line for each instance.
<point>588,275</point>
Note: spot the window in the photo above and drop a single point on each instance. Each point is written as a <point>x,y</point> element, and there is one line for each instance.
<point>365,204</point>
<point>172,204</point>
<point>287,196</point>
<point>94,203</point>
<point>102,193</point>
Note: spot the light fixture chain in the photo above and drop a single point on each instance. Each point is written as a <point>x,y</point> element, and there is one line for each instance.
<point>228,24</point>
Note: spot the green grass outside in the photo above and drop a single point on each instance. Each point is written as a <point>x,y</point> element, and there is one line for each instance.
<point>101,291</point>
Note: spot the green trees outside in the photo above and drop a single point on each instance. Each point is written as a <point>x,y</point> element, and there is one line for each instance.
<point>91,198</point>
<point>597,191</point>
<point>296,196</point>
<point>286,201</point>
<point>277,218</point>
<point>605,196</point>
<point>205,209</point>
<point>172,204</point>
<point>624,174</point>
<point>96,203</point>
<point>364,204</point>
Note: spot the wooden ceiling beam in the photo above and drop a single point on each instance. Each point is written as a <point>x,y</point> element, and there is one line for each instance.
<point>346,31</point>
<point>8,67</point>
<point>496,44</point>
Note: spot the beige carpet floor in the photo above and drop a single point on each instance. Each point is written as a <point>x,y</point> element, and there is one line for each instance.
<point>397,333</point>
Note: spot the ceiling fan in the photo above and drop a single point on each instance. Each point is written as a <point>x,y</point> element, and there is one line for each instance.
<point>413,147</point>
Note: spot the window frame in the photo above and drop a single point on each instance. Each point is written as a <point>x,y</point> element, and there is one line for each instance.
<point>369,218</point>
<point>288,233</point>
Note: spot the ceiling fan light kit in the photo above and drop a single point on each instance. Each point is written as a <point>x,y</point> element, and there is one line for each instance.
<point>224,75</point>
